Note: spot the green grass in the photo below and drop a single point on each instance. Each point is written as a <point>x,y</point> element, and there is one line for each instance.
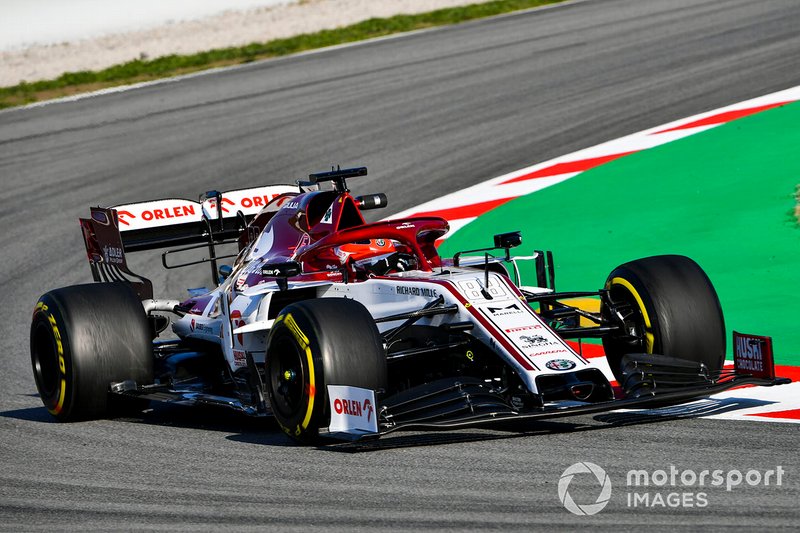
<point>172,65</point>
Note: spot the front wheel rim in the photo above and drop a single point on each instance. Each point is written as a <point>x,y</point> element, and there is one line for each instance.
<point>287,378</point>
<point>635,332</point>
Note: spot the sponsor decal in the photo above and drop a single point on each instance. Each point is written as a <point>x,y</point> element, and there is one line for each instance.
<point>342,255</point>
<point>294,204</point>
<point>205,328</point>
<point>113,255</point>
<point>405,225</point>
<point>549,352</point>
<point>245,202</point>
<point>524,328</point>
<point>353,407</point>
<point>256,201</point>
<point>512,309</point>
<point>157,213</point>
<point>328,216</point>
<point>177,211</point>
<point>752,354</point>
<point>212,204</point>
<point>201,328</point>
<point>560,364</point>
<point>406,290</point>
<point>237,322</point>
<point>123,217</point>
<point>529,342</point>
<point>535,340</point>
<point>239,358</point>
<point>380,242</point>
<point>352,410</point>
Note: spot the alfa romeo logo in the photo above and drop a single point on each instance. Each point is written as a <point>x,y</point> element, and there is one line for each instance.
<point>587,508</point>
<point>560,364</point>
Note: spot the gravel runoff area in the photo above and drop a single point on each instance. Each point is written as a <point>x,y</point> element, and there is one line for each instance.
<point>233,28</point>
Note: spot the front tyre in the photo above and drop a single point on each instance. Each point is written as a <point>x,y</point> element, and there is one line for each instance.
<point>313,344</point>
<point>669,307</point>
<point>83,338</point>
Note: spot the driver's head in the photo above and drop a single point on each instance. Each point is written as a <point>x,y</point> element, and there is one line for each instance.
<point>364,249</point>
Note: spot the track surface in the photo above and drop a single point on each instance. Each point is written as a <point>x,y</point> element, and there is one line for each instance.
<point>427,113</point>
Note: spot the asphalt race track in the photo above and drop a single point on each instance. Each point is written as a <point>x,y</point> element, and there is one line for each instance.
<point>427,113</point>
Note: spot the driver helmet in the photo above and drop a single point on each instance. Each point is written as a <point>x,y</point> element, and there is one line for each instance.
<point>358,251</point>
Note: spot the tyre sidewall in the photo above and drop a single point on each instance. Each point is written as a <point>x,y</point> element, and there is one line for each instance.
<point>58,398</point>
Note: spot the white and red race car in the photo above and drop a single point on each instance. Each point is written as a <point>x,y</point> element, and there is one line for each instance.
<point>344,329</point>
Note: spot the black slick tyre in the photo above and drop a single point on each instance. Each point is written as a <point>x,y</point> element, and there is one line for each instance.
<point>669,307</point>
<point>83,338</point>
<point>313,344</point>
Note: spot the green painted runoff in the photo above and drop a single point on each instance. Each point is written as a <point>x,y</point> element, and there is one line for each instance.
<point>724,197</point>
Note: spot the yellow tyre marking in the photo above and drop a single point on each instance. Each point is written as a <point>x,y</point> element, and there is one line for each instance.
<point>649,337</point>
<point>62,365</point>
<point>60,405</point>
<point>296,331</point>
<point>303,341</point>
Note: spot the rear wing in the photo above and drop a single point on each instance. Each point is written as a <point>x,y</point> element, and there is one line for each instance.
<point>110,232</point>
<point>176,221</point>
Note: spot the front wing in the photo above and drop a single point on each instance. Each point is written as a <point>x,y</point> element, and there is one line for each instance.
<point>650,381</point>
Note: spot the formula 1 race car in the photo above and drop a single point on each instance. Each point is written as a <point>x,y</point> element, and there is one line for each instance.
<point>344,329</point>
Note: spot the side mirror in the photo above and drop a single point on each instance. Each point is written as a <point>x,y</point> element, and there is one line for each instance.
<point>512,239</point>
<point>505,241</point>
<point>224,272</point>
<point>281,271</point>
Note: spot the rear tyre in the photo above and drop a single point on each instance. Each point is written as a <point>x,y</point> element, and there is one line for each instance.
<point>315,343</point>
<point>83,338</point>
<point>669,307</point>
